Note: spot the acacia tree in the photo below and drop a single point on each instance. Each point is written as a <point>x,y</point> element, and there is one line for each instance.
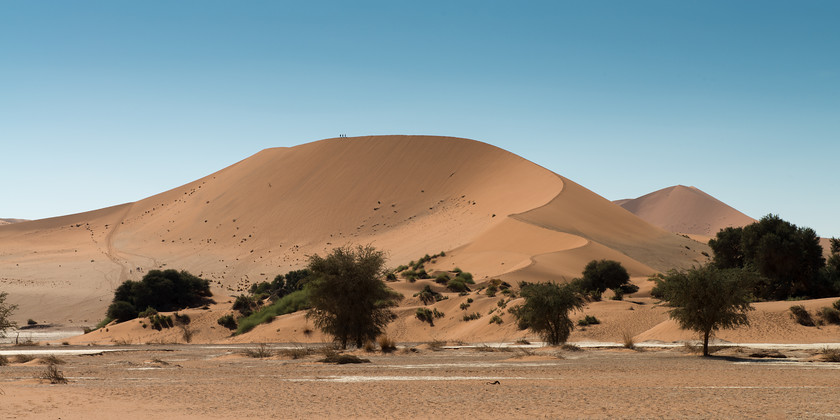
<point>349,300</point>
<point>6,311</point>
<point>707,298</point>
<point>546,310</point>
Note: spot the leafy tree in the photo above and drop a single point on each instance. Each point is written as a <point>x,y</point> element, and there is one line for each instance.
<point>6,311</point>
<point>790,258</point>
<point>167,290</point>
<point>349,300</point>
<point>598,276</point>
<point>546,310</point>
<point>121,311</point>
<point>707,298</point>
<point>287,283</point>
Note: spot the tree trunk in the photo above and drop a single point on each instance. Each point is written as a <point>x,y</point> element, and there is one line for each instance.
<point>706,342</point>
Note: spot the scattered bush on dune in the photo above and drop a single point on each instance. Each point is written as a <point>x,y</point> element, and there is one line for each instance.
<point>167,290</point>
<point>801,315</point>
<point>830,315</point>
<point>293,302</point>
<point>588,320</point>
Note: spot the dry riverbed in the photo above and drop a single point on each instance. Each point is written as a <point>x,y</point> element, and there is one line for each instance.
<point>196,381</point>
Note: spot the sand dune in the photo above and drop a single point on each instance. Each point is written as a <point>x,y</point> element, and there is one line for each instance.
<point>494,213</point>
<point>688,210</point>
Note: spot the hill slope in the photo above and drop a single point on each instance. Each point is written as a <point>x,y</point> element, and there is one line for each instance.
<point>494,213</point>
<point>682,209</point>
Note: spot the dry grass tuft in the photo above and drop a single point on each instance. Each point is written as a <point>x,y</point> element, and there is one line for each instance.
<point>53,375</point>
<point>4,361</point>
<point>23,358</point>
<point>436,345</point>
<point>369,346</point>
<point>343,359</point>
<point>295,353</point>
<point>831,355</point>
<point>570,347</point>
<point>261,352</point>
<point>627,340</point>
<point>52,360</point>
<point>386,344</point>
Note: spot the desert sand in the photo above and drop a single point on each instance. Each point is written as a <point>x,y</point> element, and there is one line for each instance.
<point>192,382</point>
<point>494,213</point>
<point>686,210</point>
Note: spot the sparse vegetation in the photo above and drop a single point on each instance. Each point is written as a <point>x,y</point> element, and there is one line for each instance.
<point>227,321</point>
<point>427,295</point>
<point>386,344</point>
<point>588,320</point>
<point>546,310</point>
<point>830,315</point>
<point>4,361</point>
<point>627,340</point>
<point>343,359</point>
<point>6,311</point>
<point>52,360</point>
<point>53,375</point>
<point>167,290</point>
<point>24,358</point>
<point>831,355</point>
<point>260,352</point>
<point>600,275</point>
<point>801,316</point>
<point>496,320</point>
<point>159,322</point>
<point>472,316</point>
<point>464,306</point>
<point>293,302</point>
<point>460,282</point>
<point>428,315</point>
<point>349,300</point>
<point>706,299</point>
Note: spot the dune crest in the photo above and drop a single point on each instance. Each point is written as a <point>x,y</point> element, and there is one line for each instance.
<point>494,213</point>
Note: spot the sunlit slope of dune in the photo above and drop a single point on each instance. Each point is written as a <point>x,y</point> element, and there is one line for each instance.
<point>495,214</point>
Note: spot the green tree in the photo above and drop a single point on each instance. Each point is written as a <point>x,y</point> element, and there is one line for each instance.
<point>167,290</point>
<point>546,310</point>
<point>707,298</point>
<point>6,311</point>
<point>600,275</point>
<point>789,258</point>
<point>349,300</point>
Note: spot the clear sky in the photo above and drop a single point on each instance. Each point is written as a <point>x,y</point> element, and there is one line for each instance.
<point>106,102</point>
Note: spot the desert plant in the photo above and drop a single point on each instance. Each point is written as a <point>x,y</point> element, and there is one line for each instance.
<point>600,275</point>
<point>181,319</point>
<point>386,344</point>
<point>52,360</point>
<point>496,320</point>
<point>831,355</point>
<point>442,279</point>
<point>627,340</point>
<point>260,352</point>
<point>464,306</point>
<point>349,300</point>
<point>570,347</point>
<point>801,316</point>
<point>149,311</point>
<point>436,345</point>
<point>588,320</point>
<point>706,299</point>
<point>472,316</point>
<point>427,295</point>
<point>227,321</point>
<point>53,375</point>
<point>246,305</point>
<point>293,302</point>
<point>167,290</point>
<point>6,311</point>
<point>830,315</point>
<point>4,361</point>
<point>187,333</point>
<point>369,346</point>
<point>295,353</point>
<point>160,322</point>
<point>342,359</point>
<point>24,358</point>
<point>546,310</point>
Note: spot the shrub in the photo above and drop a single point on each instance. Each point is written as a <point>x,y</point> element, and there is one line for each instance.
<point>496,320</point>
<point>546,310</point>
<point>830,315</point>
<point>182,319</point>
<point>836,304</point>
<point>246,305</point>
<point>31,321</point>
<point>442,279</point>
<point>160,322</point>
<point>390,277</point>
<point>627,340</point>
<point>369,346</point>
<point>465,306</point>
<point>167,290</point>
<point>469,300</point>
<point>121,311</point>
<point>292,302</point>
<point>422,274</point>
<point>425,315</point>
<point>472,316</point>
<point>52,360</point>
<point>53,375</point>
<point>427,295</point>
<point>227,321</point>
<point>4,361</point>
<point>6,311</point>
<point>458,285</point>
<point>831,355</point>
<point>801,315</point>
<point>342,359</point>
<point>24,358</point>
<point>260,352</point>
<point>588,320</point>
<point>149,311</point>
<point>387,344</point>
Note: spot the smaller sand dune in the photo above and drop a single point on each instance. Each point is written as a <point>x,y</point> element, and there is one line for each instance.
<point>682,209</point>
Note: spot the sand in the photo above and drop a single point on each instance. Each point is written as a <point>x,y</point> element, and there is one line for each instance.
<point>686,210</point>
<point>191,382</point>
<point>494,213</point>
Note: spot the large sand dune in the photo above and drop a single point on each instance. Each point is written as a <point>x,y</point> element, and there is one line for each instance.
<point>496,215</point>
<point>689,210</point>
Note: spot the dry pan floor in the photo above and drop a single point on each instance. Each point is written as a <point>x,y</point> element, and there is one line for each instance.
<point>191,381</point>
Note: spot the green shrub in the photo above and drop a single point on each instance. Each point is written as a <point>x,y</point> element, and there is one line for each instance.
<point>442,279</point>
<point>458,285</point>
<point>149,311</point>
<point>390,277</point>
<point>409,275</point>
<point>472,316</point>
<point>427,295</point>
<point>167,290</point>
<point>103,323</point>
<point>496,320</point>
<point>246,305</point>
<point>801,316</point>
<point>160,322</point>
<point>491,291</point>
<point>465,306</point>
<point>425,315</point>
<point>292,302</point>
<point>830,315</point>
<point>227,321</point>
<point>121,311</point>
<point>588,320</point>
<point>422,274</point>
<point>182,319</point>
<point>401,268</point>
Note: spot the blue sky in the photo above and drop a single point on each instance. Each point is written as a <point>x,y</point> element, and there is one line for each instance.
<point>106,102</point>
